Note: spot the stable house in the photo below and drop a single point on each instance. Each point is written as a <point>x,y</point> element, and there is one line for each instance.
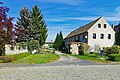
<point>97,32</point>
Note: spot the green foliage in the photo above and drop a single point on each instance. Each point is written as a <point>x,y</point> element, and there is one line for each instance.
<point>33,45</point>
<point>11,58</point>
<point>112,50</point>
<point>16,57</point>
<point>24,22</point>
<point>6,59</point>
<point>118,36</point>
<point>33,24</point>
<point>85,47</point>
<point>59,42</point>
<point>2,47</point>
<point>114,57</point>
<point>39,59</point>
<point>22,45</point>
<point>39,26</point>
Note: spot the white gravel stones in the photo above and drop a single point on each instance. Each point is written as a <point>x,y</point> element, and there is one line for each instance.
<point>91,72</point>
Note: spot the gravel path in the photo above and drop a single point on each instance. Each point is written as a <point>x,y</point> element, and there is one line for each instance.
<point>67,68</point>
<point>93,72</point>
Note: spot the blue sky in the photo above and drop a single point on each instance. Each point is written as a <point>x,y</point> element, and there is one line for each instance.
<point>67,15</point>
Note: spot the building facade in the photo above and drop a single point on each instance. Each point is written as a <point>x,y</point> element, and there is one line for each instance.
<point>97,32</point>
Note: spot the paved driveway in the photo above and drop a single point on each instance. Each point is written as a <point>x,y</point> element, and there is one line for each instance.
<point>67,68</point>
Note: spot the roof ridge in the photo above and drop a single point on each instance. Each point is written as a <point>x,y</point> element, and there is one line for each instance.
<point>83,28</point>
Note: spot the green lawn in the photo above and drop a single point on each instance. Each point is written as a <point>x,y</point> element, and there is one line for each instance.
<point>38,59</point>
<point>93,57</point>
<point>19,56</point>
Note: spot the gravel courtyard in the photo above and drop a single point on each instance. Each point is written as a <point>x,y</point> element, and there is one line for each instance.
<point>67,68</point>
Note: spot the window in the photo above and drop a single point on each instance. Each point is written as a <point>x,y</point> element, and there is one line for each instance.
<point>94,35</point>
<point>109,36</point>
<point>99,25</point>
<point>83,37</point>
<point>102,36</point>
<point>105,25</point>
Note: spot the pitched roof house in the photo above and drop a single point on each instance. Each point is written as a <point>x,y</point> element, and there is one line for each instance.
<point>97,32</point>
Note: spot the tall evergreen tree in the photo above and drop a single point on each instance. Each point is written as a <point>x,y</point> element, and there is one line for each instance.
<point>59,42</point>
<point>118,36</point>
<point>33,26</point>
<point>55,45</point>
<point>39,26</point>
<point>24,24</point>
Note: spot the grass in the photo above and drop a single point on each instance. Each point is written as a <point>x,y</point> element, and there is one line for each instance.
<point>64,55</point>
<point>93,57</point>
<point>19,56</point>
<point>11,58</point>
<point>38,59</point>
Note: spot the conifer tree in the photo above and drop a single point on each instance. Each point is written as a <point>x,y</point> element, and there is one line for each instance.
<point>39,26</point>
<point>118,36</point>
<point>25,22</point>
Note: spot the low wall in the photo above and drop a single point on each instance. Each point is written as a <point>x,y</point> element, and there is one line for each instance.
<point>15,51</point>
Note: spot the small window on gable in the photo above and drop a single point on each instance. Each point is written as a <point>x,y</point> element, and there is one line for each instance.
<point>99,25</point>
<point>94,35</point>
<point>102,36</point>
<point>105,25</point>
<point>109,36</point>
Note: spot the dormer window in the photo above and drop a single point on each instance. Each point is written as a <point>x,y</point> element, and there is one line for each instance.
<point>99,25</point>
<point>105,25</point>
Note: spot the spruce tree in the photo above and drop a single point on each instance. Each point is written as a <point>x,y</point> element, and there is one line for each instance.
<point>55,45</point>
<point>61,41</point>
<point>118,36</point>
<point>39,26</point>
<point>24,22</point>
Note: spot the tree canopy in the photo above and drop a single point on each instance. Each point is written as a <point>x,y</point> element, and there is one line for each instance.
<point>6,28</point>
<point>33,26</point>
<point>59,42</point>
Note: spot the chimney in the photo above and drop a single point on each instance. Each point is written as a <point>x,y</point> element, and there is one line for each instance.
<point>113,26</point>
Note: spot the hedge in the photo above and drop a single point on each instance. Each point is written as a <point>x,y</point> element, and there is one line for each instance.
<point>114,57</point>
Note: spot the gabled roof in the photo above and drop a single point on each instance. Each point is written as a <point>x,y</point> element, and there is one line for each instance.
<point>82,29</point>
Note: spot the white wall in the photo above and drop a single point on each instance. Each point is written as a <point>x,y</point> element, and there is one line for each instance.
<point>15,51</point>
<point>74,49</point>
<point>101,42</point>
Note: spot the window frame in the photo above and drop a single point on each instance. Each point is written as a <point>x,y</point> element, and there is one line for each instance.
<point>99,25</point>
<point>94,35</point>
<point>105,25</point>
<point>101,36</point>
<point>109,36</point>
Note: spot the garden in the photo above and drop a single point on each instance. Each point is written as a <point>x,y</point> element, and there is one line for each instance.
<point>110,55</point>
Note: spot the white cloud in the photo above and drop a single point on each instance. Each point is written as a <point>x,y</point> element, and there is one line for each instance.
<point>69,2</point>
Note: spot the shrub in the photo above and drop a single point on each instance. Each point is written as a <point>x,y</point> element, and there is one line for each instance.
<point>6,59</point>
<point>33,45</point>
<point>114,57</point>
<point>22,45</point>
<point>112,50</point>
<point>85,47</point>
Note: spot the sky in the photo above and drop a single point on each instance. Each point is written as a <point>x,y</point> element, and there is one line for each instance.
<point>67,15</point>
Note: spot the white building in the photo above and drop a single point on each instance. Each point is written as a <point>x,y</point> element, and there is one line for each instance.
<point>97,32</point>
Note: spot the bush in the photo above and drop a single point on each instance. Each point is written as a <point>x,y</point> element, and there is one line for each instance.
<point>114,57</point>
<point>112,50</point>
<point>33,45</point>
<point>6,59</point>
<point>22,45</point>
